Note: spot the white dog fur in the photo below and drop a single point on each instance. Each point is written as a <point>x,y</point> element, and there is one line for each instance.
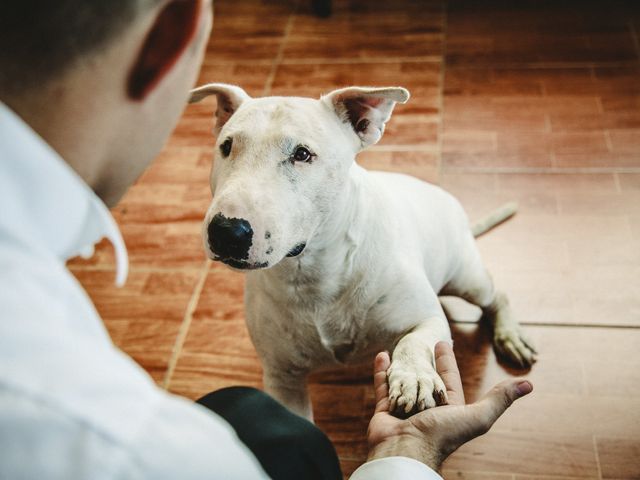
<point>380,247</point>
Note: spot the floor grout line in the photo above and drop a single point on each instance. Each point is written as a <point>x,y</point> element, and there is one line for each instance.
<point>562,324</point>
<point>607,140</point>
<point>186,324</point>
<point>360,60</point>
<point>422,147</point>
<point>328,61</point>
<point>133,269</point>
<point>595,449</point>
<point>441,89</point>
<point>543,170</point>
<point>500,473</point>
<point>277,61</point>
<point>426,59</point>
<point>547,65</point>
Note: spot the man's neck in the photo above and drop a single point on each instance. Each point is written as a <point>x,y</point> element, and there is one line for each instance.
<point>64,123</point>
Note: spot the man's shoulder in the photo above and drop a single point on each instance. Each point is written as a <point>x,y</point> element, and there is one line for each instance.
<point>54,349</point>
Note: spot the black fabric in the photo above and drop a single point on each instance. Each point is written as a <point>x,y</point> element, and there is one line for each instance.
<point>288,446</point>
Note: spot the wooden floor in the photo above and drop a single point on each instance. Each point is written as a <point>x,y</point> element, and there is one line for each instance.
<point>535,101</point>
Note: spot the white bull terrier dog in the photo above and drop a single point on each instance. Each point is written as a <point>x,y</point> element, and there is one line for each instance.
<point>342,262</point>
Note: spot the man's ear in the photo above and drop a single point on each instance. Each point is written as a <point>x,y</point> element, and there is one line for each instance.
<point>366,109</point>
<point>230,97</point>
<point>168,38</point>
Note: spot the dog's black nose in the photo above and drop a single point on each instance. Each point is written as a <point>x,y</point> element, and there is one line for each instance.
<point>230,237</point>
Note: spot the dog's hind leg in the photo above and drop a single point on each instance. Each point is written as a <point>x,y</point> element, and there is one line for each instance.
<point>473,283</point>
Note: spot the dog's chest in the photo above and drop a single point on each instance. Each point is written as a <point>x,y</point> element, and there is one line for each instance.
<point>328,312</point>
<point>340,316</point>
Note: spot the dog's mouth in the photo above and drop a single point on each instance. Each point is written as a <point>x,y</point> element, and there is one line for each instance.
<point>244,265</point>
<point>297,250</point>
<point>241,264</point>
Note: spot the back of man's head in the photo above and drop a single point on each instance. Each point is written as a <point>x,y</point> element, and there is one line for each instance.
<point>41,39</point>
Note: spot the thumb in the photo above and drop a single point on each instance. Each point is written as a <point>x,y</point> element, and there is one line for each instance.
<point>380,366</point>
<point>488,409</point>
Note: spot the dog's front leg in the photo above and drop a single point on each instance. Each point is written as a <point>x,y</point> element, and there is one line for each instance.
<point>414,384</point>
<point>290,389</point>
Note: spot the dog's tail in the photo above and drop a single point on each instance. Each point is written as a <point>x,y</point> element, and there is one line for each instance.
<point>494,219</point>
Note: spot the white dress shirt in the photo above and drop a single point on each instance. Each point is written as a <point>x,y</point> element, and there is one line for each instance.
<point>72,405</point>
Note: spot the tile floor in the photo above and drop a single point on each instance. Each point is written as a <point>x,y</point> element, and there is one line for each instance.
<point>534,101</point>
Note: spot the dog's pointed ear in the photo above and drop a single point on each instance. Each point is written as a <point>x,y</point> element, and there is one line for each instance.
<point>366,109</point>
<point>230,97</point>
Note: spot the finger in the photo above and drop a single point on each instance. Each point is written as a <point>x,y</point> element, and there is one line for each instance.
<point>487,410</point>
<point>380,385</point>
<point>440,392</point>
<point>447,368</point>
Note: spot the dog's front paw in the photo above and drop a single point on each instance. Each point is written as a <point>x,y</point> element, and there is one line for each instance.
<point>414,388</point>
<point>512,344</point>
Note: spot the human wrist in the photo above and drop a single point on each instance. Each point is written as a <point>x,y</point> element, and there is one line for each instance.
<point>408,445</point>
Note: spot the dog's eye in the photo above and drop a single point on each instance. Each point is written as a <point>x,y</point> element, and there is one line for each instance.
<point>225,147</point>
<point>302,155</point>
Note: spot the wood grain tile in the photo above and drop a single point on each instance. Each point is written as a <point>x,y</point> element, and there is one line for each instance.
<point>595,204</point>
<point>605,160</point>
<point>248,30</point>
<point>144,316</point>
<point>421,78</point>
<point>619,458</point>
<point>479,195</point>
<point>217,351</point>
<point>411,29</point>
<point>528,453</point>
<point>552,477</point>
<point>486,81</point>
<point>452,474</point>
<point>586,143</point>
<point>629,181</point>
<point>559,183</point>
<point>496,32</point>
<point>625,141</point>
<point>422,165</point>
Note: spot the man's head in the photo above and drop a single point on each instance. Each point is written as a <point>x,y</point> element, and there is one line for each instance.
<point>102,81</point>
<point>282,166</point>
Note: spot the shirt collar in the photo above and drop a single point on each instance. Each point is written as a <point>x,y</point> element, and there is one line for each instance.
<point>45,203</point>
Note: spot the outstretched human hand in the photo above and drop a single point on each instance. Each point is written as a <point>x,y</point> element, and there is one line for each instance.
<point>432,435</point>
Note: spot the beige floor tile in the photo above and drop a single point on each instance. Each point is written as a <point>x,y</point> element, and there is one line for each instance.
<point>528,453</point>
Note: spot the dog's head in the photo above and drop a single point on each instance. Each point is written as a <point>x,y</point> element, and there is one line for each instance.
<point>280,165</point>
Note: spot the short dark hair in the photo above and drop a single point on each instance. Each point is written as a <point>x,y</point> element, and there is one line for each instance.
<point>40,39</point>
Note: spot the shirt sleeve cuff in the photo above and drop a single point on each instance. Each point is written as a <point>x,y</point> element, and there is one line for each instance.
<point>394,468</point>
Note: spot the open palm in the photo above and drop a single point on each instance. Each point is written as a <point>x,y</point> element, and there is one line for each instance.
<point>430,436</point>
